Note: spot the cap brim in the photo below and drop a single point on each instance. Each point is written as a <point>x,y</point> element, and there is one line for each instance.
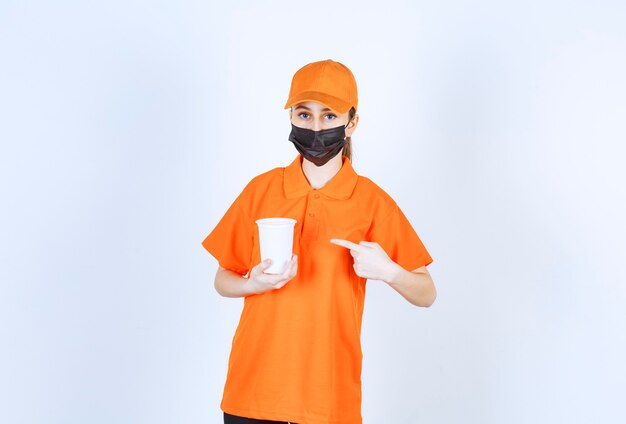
<point>323,98</point>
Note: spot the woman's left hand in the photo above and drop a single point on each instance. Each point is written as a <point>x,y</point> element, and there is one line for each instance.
<point>370,260</point>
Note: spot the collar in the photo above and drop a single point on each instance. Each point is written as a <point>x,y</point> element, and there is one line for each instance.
<point>339,187</point>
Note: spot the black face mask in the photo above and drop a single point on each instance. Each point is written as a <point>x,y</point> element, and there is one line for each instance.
<point>318,146</point>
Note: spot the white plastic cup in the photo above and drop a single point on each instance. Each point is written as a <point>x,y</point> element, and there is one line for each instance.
<point>276,240</point>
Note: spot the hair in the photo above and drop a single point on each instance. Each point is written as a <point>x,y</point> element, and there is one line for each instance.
<point>347,148</point>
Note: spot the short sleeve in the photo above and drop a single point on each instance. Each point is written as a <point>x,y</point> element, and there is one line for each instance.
<point>397,237</point>
<point>232,239</point>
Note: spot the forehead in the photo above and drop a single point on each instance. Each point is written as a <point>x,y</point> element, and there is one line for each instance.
<point>313,106</point>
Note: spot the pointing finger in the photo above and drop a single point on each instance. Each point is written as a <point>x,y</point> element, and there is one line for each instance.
<point>368,243</point>
<point>348,244</point>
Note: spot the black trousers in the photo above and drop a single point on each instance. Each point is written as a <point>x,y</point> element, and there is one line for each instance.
<point>234,419</point>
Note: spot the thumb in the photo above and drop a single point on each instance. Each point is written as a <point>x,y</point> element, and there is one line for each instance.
<point>266,264</point>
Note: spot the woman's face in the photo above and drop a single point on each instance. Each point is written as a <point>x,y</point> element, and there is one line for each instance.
<point>316,116</point>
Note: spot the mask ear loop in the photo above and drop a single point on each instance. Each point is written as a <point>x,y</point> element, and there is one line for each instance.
<point>344,129</point>
<point>346,126</point>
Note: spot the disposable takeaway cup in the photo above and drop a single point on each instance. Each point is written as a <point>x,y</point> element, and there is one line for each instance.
<point>276,242</point>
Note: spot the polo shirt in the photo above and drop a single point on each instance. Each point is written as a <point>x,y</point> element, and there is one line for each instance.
<point>296,353</point>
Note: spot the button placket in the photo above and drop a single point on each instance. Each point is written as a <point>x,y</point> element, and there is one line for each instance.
<point>312,216</point>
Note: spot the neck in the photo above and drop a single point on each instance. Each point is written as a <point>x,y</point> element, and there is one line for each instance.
<point>318,176</point>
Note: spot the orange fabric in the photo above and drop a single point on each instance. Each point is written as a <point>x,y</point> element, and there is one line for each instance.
<point>296,354</point>
<point>328,82</point>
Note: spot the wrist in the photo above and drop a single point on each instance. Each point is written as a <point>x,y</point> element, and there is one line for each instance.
<point>394,273</point>
<point>249,286</point>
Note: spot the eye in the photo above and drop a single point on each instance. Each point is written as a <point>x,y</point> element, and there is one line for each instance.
<point>332,116</point>
<point>303,113</point>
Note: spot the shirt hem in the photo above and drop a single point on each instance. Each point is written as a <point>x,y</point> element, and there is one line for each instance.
<point>295,418</point>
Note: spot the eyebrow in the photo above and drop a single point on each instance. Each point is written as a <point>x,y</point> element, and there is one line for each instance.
<point>323,110</point>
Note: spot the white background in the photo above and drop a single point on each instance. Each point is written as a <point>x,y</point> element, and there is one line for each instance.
<point>128,127</point>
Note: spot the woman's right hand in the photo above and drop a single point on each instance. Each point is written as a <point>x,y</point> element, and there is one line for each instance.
<point>261,282</point>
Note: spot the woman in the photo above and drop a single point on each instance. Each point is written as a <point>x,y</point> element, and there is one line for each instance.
<point>296,354</point>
